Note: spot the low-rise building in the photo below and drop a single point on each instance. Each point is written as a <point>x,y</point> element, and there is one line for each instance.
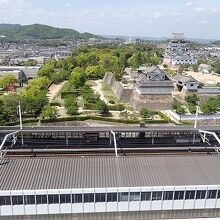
<point>22,73</point>
<point>105,187</point>
<point>185,84</point>
<point>62,54</point>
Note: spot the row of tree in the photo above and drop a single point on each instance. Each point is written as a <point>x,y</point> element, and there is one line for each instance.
<point>33,100</point>
<point>95,61</point>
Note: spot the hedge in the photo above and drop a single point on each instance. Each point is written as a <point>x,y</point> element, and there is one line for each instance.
<point>117,107</point>
<point>163,116</point>
<point>27,121</point>
<point>99,118</point>
<point>85,118</point>
<point>65,94</point>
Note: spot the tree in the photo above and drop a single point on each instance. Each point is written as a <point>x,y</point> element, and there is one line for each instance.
<point>71,106</point>
<point>77,78</point>
<point>181,69</point>
<point>145,113</point>
<point>102,107</point>
<point>46,71</point>
<point>216,67</point>
<point>193,99</point>
<point>1,112</point>
<point>211,106</point>
<point>137,59</point>
<point>94,72</point>
<point>9,107</point>
<point>40,83</point>
<point>195,67</point>
<point>108,62</point>
<point>34,101</point>
<point>7,80</point>
<point>49,112</point>
<point>178,107</point>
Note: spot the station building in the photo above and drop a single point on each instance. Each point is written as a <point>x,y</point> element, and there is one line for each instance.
<point>106,187</point>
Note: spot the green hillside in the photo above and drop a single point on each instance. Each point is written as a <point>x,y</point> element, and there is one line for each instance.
<point>37,32</point>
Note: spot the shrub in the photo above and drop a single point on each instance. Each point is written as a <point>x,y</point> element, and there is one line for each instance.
<point>118,107</point>
<point>111,101</point>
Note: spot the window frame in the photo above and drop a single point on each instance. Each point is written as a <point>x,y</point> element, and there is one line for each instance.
<point>17,200</point>
<point>99,197</point>
<point>157,196</point>
<point>134,197</point>
<point>6,199</point>
<point>52,199</point>
<point>145,196</point>
<point>201,195</point>
<point>77,198</point>
<point>122,196</point>
<point>88,198</point>
<point>110,197</point>
<point>209,194</point>
<point>28,198</point>
<point>168,195</point>
<point>42,199</point>
<point>189,193</point>
<point>179,195</point>
<point>64,200</point>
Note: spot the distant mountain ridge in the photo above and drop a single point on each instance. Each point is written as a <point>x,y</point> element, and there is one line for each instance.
<point>34,32</point>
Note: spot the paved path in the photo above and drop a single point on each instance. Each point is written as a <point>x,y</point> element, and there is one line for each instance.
<point>98,88</point>
<point>54,91</point>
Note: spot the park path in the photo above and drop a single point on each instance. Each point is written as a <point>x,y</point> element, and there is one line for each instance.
<point>98,88</point>
<point>54,91</point>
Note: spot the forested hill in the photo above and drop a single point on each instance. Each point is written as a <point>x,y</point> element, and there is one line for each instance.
<point>16,32</point>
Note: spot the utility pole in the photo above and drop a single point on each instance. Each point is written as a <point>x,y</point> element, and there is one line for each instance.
<point>196,118</point>
<point>21,125</point>
<point>195,124</point>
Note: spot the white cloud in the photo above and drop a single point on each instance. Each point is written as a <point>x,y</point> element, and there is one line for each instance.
<point>177,14</point>
<point>157,15</point>
<point>203,22</point>
<point>189,4</point>
<point>200,9</point>
<point>12,2</point>
<point>67,4</point>
<point>101,16</point>
<point>214,10</point>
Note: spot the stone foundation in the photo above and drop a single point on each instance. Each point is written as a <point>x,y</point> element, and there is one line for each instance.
<point>152,102</point>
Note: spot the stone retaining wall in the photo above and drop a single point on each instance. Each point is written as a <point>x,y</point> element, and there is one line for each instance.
<point>123,95</point>
<point>152,102</point>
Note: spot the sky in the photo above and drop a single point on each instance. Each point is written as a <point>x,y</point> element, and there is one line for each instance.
<point>149,18</point>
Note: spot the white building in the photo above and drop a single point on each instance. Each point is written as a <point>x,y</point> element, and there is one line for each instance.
<point>137,186</point>
<point>177,52</point>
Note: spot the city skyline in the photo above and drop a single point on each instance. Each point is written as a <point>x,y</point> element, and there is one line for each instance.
<point>197,19</point>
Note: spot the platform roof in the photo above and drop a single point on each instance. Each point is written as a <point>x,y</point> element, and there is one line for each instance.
<point>105,172</point>
<point>123,128</point>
